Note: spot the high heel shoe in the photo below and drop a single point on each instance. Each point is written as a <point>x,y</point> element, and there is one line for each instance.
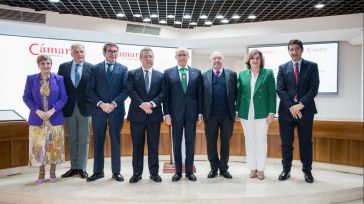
<point>260,175</point>
<point>53,179</point>
<point>253,174</point>
<point>41,180</point>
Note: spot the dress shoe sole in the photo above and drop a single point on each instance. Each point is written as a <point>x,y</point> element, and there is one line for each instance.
<point>94,179</point>
<point>283,179</point>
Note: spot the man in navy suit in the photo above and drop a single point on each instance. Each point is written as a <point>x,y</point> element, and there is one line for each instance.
<point>182,109</point>
<point>297,85</point>
<point>76,74</point>
<point>146,89</point>
<point>108,91</point>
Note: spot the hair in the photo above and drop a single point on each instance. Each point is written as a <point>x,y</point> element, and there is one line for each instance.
<point>77,45</point>
<point>295,42</point>
<point>146,49</point>
<point>182,49</point>
<point>109,44</point>
<point>251,55</point>
<point>42,58</point>
<point>216,53</point>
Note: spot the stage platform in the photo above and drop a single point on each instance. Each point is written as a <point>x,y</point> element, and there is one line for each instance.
<point>333,184</point>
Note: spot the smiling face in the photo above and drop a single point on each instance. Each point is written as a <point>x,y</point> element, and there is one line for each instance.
<point>111,54</point>
<point>295,51</point>
<point>78,54</point>
<point>182,57</point>
<point>147,59</point>
<point>45,67</point>
<point>216,61</point>
<point>255,61</point>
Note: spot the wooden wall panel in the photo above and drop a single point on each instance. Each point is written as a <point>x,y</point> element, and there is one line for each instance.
<point>339,151</point>
<point>322,149</point>
<point>19,150</point>
<point>356,153</point>
<point>5,158</point>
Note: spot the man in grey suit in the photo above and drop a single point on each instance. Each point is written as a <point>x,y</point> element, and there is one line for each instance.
<point>108,91</point>
<point>220,92</point>
<point>76,74</point>
<point>146,88</point>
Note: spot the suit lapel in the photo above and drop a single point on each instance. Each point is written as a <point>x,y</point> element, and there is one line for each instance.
<point>248,77</point>
<point>140,79</point>
<point>176,75</point>
<point>303,71</point>
<point>209,82</point>
<point>52,87</point>
<point>227,79</point>
<point>83,75</point>
<point>191,76</point>
<point>290,73</point>
<point>259,80</point>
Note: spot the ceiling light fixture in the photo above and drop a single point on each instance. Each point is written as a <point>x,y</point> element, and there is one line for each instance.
<point>318,6</point>
<point>219,16</point>
<point>146,20</point>
<point>137,15</point>
<point>154,15</point>
<point>224,21</point>
<point>208,23</point>
<point>252,16</point>
<point>178,22</point>
<point>170,16</point>
<point>54,1</point>
<point>187,16</point>
<point>120,15</point>
<point>162,22</point>
<point>203,16</point>
<point>235,17</point>
<point>193,23</point>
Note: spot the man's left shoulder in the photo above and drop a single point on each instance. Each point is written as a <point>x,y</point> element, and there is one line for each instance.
<point>230,71</point>
<point>309,63</point>
<point>121,66</point>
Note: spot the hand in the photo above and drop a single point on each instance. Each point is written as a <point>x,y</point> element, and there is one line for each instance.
<point>270,118</point>
<point>147,107</point>
<point>50,112</point>
<point>167,120</point>
<point>41,114</point>
<point>107,107</point>
<point>237,119</point>
<point>296,111</point>
<point>200,120</point>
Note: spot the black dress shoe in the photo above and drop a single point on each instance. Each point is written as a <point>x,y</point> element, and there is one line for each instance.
<point>191,177</point>
<point>176,177</point>
<point>156,178</point>
<point>308,177</point>
<point>95,176</point>
<point>70,173</point>
<point>135,178</point>
<point>118,177</point>
<point>284,175</point>
<point>226,174</point>
<point>83,174</point>
<point>212,174</point>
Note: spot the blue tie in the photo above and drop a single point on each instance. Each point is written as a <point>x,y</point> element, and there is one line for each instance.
<point>77,75</point>
<point>108,73</point>
<point>146,81</point>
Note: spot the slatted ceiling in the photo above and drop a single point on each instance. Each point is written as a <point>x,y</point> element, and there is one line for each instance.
<point>265,10</point>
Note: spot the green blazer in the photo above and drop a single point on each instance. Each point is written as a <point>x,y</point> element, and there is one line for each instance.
<point>264,97</point>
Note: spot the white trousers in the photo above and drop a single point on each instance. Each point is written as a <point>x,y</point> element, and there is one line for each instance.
<point>255,132</point>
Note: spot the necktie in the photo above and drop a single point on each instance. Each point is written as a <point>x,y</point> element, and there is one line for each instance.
<point>184,79</point>
<point>108,73</point>
<point>146,80</point>
<point>217,73</point>
<point>77,75</point>
<point>297,77</point>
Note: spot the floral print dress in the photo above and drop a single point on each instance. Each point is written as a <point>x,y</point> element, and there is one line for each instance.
<point>46,142</point>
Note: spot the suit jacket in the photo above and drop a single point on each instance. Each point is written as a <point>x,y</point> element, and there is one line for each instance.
<point>138,94</point>
<point>230,77</point>
<point>57,98</point>
<point>264,98</point>
<point>306,89</point>
<point>74,94</point>
<point>108,90</point>
<point>178,103</point>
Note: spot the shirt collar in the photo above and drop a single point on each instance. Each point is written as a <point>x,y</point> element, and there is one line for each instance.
<point>221,70</point>
<point>179,67</point>
<point>77,63</point>
<point>299,62</point>
<point>149,70</point>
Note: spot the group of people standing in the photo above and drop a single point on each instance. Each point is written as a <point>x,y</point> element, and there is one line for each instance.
<point>182,97</point>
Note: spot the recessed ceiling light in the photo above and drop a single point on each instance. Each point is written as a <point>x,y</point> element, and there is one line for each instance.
<point>154,16</point>
<point>170,16</point>
<point>318,6</point>
<point>252,17</point>
<point>193,23</point>
<point>203,16</point>
<point>54,1</point>
<point>224,21</point>
<point>187,16</point>
<point>235,17</point>
<point>146,19</point>
<point>178,22</point>
<point>208,23</point>
<point>120,15</point>
<point>137,15</point>
<point>162,22</point>
<point>219,16</point>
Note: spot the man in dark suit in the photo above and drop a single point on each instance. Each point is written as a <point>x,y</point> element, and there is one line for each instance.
<point>76,74</point>
<point>297,85</point>
<point>220,90</point>
<point>182,109</point>
<point>146,89</point>
<point>108,91</point>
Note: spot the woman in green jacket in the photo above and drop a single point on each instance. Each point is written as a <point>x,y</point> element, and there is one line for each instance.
<point>256,106</point>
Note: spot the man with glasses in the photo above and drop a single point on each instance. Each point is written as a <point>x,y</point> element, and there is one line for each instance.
<point>108,91</point>
<point>182,109</point>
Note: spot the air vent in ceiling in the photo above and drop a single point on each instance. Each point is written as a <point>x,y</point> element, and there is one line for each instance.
<point>148,30</point>
<point>13,15</point>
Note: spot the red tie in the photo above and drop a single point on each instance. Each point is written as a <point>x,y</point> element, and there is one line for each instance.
<point>297,77</point>
<point>217,73</point>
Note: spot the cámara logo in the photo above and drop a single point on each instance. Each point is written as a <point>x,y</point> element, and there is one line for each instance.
<point>36,49</point>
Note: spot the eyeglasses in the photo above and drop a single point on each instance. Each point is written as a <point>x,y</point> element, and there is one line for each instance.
<point>112,51</point>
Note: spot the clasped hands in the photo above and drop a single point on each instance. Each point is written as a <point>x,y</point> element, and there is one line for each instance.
<point>107,107</point>
<point>45,115</point>
<point>147,107</point>
<point>296,111</point>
